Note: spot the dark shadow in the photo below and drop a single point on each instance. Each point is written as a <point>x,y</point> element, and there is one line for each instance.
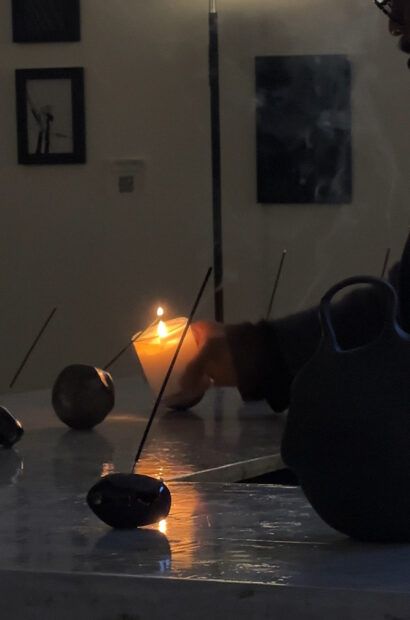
<point>284,477</point>
<point>139,550</point>
<point>11,467</point>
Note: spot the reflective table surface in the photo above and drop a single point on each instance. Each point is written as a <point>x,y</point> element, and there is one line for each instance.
<point>235,550</point>
<point>221,429</point>
<point>230,532</point>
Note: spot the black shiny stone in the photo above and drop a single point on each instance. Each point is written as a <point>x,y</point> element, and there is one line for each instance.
<point>11,429</point>
<point>83,395</point>
<point>125,501</point>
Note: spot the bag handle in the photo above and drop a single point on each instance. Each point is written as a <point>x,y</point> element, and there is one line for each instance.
<point>391,307</point>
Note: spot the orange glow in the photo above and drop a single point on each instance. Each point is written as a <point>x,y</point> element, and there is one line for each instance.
<point>162,330</point>
<point>107,468</point>
<point>102,376</point>
<point>183,523</point>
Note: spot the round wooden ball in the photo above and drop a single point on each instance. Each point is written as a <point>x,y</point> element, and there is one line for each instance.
<point>82,396</point>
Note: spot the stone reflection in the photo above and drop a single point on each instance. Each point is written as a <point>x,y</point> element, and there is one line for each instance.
<point>80,458</point>
<point>11,467</point>
<point>144,550</point>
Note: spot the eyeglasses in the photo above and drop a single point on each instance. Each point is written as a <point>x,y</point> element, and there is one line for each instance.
<point>388,7</point>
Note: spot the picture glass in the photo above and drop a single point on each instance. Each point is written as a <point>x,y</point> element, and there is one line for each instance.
<point>49,116</point>
<point>45,20</point>
<point>303,129</point>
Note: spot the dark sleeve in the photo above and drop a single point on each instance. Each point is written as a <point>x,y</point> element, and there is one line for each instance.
<point>267,355</point>
<point>260,366</point>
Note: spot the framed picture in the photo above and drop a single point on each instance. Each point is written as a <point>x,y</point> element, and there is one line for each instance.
<point>36,21</point>
<point>303,129</point>
<point>50,115</point>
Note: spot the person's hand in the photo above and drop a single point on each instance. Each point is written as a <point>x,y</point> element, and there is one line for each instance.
<point>213,364</point>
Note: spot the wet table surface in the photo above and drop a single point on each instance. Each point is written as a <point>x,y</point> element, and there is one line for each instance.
<point>244,548</point>
<point>221,429</point>
<point>231,532</point>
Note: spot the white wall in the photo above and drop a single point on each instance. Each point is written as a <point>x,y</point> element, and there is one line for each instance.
<point>69,239</point>
<point>324,243</point>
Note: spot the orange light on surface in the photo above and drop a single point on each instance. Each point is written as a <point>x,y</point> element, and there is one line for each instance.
<point>162,526</point>
<point>184,524</point>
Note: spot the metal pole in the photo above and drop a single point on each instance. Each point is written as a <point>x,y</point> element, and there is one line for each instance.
<point>216,161</point>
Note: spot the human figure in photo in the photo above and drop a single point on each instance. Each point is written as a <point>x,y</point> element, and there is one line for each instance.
<point>44,117</point>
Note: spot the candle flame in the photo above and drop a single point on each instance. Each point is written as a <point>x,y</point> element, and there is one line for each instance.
<point>160,311</point>
<point>162,526</point>
<point>162,330</point>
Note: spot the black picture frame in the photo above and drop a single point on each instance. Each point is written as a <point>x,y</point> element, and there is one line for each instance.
<point>50,116</point>
<point>42,21</point>
<point>303,129</point>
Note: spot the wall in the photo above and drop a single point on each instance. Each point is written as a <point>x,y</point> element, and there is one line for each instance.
<point>69,239</point>
<point>324,243</point>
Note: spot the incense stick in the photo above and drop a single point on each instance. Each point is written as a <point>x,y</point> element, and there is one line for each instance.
<point>171,366</point>
<point>386,260</point>
<point>133,339</point>
<point>20,368</point>
<point>114,359</point>
<point>275,286</point>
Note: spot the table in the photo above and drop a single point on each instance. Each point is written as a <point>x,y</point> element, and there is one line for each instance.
<point>220,430</point>
<point>226,550</point>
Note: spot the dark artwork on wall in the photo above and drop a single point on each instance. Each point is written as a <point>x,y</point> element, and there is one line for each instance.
<point>50,115</point>
<point>38,21</point>
<point>303,130</point>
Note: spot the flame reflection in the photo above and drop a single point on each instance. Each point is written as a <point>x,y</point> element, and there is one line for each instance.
<point>181,525</point>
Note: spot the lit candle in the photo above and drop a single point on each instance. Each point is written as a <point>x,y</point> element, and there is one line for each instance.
<point>155,348</point>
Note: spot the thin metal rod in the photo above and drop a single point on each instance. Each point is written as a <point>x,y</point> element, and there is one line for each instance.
<point>386,260</point>
<point>216,162</point>
<point>275,286</point>
<point>20,368</point>
<point>171,366</point>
